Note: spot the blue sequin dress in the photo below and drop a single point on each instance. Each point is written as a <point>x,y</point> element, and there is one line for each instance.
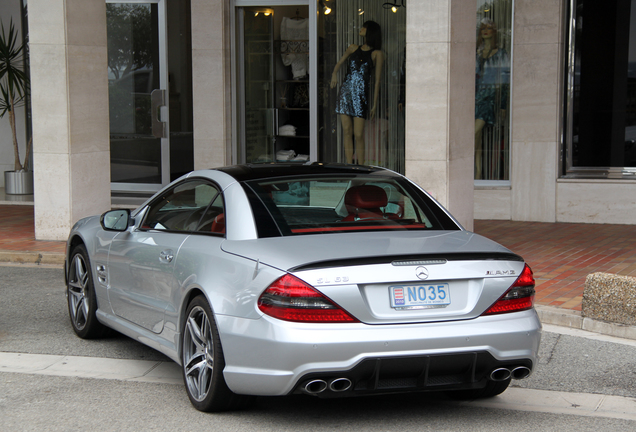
<point>354,93</point>
<point>492,76</point>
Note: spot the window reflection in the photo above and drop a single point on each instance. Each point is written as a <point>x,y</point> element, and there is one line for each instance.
<point>603,83</point>
<point>492,89</point>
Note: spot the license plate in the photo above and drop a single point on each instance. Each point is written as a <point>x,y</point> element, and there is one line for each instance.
<point>420,296</point>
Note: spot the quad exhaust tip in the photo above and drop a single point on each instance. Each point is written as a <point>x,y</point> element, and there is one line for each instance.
<point>502,374</point>
<point>340,385</point>
<point>336,385</point>
<point>520,372</point>
<point>315,386</point>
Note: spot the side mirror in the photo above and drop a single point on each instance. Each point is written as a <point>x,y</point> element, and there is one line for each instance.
<point>116,220</point>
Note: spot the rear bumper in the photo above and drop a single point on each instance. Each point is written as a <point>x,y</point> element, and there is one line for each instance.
<point>457,371</point>
<point>272,357</point>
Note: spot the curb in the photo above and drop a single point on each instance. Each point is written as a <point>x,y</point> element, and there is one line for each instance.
<point>574,319</point>
<point>38,258</point>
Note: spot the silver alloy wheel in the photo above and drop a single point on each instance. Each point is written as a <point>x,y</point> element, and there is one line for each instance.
<point>78,286</point>
<point>198,353</point>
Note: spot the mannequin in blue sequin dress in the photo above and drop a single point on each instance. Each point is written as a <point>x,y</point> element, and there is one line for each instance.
<point>353,100</point>
<point>492,76</point>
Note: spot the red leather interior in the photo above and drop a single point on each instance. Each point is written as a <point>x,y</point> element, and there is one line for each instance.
<point>218,225</point>
<point>364,202</point>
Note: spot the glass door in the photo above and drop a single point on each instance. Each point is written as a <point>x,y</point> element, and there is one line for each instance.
<point>137,83</point>
<point>256,88</point>
<point>275,50</point>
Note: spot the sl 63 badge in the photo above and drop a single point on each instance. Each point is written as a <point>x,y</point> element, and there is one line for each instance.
<point>337,279</point>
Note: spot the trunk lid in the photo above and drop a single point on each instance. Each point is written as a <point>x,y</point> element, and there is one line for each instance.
<point>388,278</point>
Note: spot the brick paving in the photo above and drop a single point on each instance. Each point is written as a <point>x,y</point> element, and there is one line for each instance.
<point>560,254</point>
<point>17,233</point>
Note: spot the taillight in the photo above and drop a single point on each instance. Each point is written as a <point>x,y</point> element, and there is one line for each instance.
<point>519,297</point>
<point>291,299</point>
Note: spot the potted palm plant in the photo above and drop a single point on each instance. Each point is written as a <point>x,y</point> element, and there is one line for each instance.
<point>14,88</point>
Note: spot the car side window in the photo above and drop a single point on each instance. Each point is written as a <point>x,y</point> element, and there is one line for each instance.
<point>182,207</point>
<point>213,220</point>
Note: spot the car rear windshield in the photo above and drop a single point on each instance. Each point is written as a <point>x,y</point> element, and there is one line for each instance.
<point>303,205</point>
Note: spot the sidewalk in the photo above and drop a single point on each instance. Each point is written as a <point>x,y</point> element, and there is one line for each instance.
<point>17,238</point>
<point>560,254</point>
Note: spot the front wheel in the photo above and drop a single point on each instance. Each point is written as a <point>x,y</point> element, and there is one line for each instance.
<point>82,301</point>
<point>203,362</point>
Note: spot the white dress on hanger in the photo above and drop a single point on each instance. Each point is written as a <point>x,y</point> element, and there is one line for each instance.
<point>294,34</point>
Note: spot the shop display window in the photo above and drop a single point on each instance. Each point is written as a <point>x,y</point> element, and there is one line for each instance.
<point>290,108</point>
<point>362,86</point>
<point>492,89</point>
<point>600,123</point>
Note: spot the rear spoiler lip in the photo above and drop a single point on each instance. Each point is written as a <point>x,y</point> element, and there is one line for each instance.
<point>417,260</point>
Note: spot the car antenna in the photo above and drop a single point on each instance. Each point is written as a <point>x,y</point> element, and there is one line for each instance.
<point>256,268</point>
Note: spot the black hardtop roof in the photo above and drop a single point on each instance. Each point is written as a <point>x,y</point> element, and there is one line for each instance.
<point>272,170</point>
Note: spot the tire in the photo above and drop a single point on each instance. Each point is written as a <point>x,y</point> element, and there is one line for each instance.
<point>492,388</point>
<point>80,293</point>
<point>203,362</point>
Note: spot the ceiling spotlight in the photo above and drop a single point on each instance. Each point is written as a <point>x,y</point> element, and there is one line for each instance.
<point>394,5</point>
<point>325,9</point>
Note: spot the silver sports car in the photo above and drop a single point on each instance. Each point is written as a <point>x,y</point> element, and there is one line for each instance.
<point>327,280</point>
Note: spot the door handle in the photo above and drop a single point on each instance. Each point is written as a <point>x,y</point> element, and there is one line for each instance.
<point>166,256</point>
<point>157,100</point>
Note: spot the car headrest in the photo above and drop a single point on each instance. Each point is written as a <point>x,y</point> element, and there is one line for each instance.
<point>366,197</point>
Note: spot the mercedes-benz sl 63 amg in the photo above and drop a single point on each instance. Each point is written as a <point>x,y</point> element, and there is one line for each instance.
<point>327,280</point>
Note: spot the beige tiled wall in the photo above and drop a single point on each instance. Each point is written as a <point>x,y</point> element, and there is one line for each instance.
<point>440,102</point>
<point>603,201</point>
<point>70,113</point>
<point>211,81</point>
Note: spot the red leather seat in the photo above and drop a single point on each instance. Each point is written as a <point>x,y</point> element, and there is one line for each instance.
<point>364,203</point>
<point>218,224</point>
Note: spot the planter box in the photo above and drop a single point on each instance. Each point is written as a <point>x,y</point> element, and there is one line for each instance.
<point>610,297</point>
<point>18,182</point>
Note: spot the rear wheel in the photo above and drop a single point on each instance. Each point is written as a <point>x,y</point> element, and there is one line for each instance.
<point>203,362</point>
<point>82,302</point>
<point>492,388</point>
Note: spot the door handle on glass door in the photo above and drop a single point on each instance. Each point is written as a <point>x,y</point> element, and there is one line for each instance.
<point>158,99</point>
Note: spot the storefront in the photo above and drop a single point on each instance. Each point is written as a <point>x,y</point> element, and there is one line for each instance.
<point>289,101</point>
<point>310,81</point>
<point>507,111</point>
<point>294,77</point>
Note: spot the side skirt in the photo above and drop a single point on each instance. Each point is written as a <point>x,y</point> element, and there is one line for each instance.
<point>140,334</point>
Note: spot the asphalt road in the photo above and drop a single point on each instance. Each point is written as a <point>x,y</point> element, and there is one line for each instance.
<point>34,320</point>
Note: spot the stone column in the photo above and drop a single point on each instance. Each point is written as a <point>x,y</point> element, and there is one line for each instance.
<point>71,156</point>
<point>536,108</point>
<point>440,100</point>
<point>211,82</point>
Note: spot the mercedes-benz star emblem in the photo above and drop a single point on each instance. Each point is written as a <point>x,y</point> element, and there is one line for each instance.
<point>421,272</point>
